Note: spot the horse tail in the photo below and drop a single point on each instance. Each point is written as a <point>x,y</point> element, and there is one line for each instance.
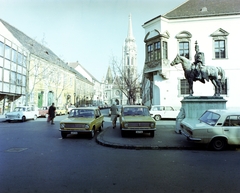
<point>221,72</point>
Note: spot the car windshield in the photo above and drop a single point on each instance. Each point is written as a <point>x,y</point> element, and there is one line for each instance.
<point>209,118</point>
<point>17,109</point>
<point>136,111</point>
<point>81,113</point>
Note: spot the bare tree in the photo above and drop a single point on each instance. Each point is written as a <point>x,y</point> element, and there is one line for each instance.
<point>37,68</point>
<point>127,80</point>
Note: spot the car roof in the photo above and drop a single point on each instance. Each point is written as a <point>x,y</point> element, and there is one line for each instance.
<point>87,108</point>
<point>125,106</point>
<point>226,111</point>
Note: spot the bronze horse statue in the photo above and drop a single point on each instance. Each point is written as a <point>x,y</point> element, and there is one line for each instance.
<point>211,72</point>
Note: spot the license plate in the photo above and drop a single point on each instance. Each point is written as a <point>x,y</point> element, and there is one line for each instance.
<point>139,131</point>
<point>74,132</point>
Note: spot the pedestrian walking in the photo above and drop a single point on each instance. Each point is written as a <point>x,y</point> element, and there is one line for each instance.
<point>114,114</point>
<point>51,113</point>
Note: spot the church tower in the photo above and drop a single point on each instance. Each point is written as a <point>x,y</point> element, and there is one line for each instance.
<point>130,53</point>
<point>112,92</point>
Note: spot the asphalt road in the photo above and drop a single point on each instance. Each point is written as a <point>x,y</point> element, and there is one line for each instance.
<point>34,159</point>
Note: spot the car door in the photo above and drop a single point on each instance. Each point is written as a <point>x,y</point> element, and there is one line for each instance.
<point>98,118</point>
<point>28,113</point>
<point>167,112</point>
<point>231,129</point>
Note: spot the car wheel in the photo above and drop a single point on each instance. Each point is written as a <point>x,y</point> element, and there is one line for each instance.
<point>157,117</point>
<point>100,128</point>
<point>218,144</point>
<point>152,133</point>
<point>64,135</point>
<point>35,117</point>
<point>23,119</point>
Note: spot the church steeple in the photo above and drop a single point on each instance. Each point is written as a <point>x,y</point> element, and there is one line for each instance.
<point>130,51</point>
<point>109,77</point>
<point>130,32</point>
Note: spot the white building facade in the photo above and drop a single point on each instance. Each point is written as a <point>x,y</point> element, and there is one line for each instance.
<point>213,24</point>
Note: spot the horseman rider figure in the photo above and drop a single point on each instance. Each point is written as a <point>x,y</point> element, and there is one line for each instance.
<point>199,64</point>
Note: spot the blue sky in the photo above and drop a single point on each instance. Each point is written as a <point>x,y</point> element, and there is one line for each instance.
<point>88,31</point>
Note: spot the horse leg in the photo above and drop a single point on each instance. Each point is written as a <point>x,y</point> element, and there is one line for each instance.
<point>190,83</point>
<point>219,85</point>
<point>215,86</point>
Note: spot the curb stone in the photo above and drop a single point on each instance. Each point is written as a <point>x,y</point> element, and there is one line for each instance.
<point>102,141</point>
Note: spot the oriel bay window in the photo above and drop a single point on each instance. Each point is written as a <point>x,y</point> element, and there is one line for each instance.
<point>154,51</point>
<point>165,50</point>
<point>150,52</point>
<point>157,50</point>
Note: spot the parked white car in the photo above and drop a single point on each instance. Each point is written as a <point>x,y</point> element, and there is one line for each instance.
<point>215,127</point>
<point>159,112</point>
<point>22,113</point>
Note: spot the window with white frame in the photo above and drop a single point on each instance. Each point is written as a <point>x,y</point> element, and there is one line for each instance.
<point>184,42</point>
<point>184,49</point>
<point>220,49</point>
<point>219,38</point>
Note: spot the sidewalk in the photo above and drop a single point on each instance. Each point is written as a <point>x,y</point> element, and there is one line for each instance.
<point>165,138</point>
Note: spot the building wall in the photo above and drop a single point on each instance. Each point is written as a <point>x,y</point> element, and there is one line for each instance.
<point>36,80</point>
<point>166,91</point>
<point>13,73</point>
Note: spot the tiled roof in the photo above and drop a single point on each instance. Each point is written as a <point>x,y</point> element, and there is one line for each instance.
<point>204,8</point>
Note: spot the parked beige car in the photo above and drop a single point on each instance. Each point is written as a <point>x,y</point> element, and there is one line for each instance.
<point>136,119</point>
<point>82,120</point>
<point>215,127</point>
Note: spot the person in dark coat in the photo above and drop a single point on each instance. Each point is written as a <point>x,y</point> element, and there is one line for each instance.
<point>114,114</point>
<point>51,113</point>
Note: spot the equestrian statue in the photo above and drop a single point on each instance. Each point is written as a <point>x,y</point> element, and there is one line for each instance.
<point>199,71</point>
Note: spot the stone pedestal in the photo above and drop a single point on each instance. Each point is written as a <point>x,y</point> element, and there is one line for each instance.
<point>195,106</point>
